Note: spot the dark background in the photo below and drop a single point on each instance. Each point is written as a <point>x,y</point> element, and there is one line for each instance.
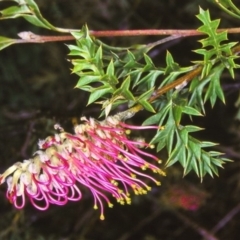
<point>36,91</point>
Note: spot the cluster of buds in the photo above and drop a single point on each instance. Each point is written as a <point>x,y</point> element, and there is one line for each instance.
<point>99,156</point>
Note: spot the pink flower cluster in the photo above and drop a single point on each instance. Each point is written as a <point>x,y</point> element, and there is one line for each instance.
<point>99,156</point>
<point>185,197</point>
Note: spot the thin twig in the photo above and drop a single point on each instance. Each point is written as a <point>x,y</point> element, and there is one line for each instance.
<point>12,227</point>
<point>141,224</point>
<point>164,40</point>
<point>229,151</point>
<point>158,32</point>
<point>202,231</point>
<point>182,80</point>
<point>29,37</point>
<point>27,139</point>
<point>178,82</point>
<point>226,219</point>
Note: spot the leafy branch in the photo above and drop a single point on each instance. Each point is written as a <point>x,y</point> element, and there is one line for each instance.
<point>29,10</point>
<point>116,76</point>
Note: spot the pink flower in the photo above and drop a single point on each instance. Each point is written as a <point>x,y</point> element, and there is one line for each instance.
<point>185,197</point>
<point>99,156</point>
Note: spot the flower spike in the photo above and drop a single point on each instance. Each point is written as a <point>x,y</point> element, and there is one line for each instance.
<point>99,156</point>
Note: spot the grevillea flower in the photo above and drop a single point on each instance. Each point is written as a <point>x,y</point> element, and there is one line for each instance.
<point>99,155</point>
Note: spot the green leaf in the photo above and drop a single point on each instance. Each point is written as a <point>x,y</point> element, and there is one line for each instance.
<point>5,42</point>
<point>205,144</point>
<point>143,100</point>
<point>165,136</point>
<point>196,89</point>
<point>130,61</point>
<point>161,144</point>
<point>188,151</point>
<point>214,89</point>
<point>149,79</point>
<point>229,7</point>
<point>98,59</point>
<point>177,113</point>
<point>170,130</point>
<point>195,147</point>
<point>80,65</point>
<point>214,50</point>
<point>159,117</point>
<point>191,111</point>
<point>110,69</point>
<point>149,64</point>
<point>171,65</point>
<point>183,133</point>
<point>178,154</point>
<point>29,10</point>
<point>126,84</point>
<point>147,105</point>
<point>146,95</point>
<point>128,95</point>
<point>97,93</point>
<point>86,79</point>
<point>191,128</point>
<point>80,52</point>
<point>125,89</point>
<point>14,12</point>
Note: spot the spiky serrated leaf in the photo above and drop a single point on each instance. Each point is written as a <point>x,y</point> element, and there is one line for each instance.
<point>188,151</point>
<point>214,89</point>
<point>214,50</point>
<point>197,89</point>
